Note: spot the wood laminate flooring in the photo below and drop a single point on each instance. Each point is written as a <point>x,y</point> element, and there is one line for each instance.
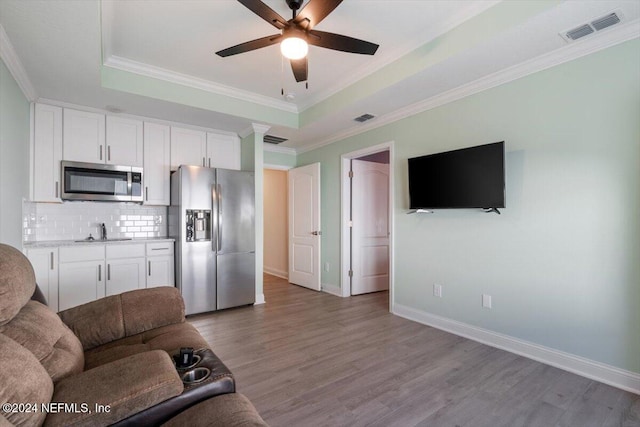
<point>308,358</point>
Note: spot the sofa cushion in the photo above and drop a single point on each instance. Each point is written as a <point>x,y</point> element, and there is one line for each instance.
<point>227,410</point>
<point>24,380</point>
<point>41,331</point>
<point>119,316</point>
<point>125,387</point>
<point>17,282</point>
<point>168,338</point>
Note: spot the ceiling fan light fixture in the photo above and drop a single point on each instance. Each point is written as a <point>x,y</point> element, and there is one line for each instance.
<point>294,48</point>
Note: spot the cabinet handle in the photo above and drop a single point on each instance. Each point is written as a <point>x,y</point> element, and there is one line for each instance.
<point>52,260</point>
<point>149,268</point>
<point>99,272</point>
<point>108,152</point>
<point>209,161</point>
<point>146,194</point>
<point>57,187</point>
<point>100,151</point>
<point>203,164</point>
<point>159,249</point>
<point>108,271</point>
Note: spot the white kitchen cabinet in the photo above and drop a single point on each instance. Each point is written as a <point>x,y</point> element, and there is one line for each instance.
<point>157,164</point>
<point>81,275</point>
<point>188,147</point>
<point>47,153</point>
<point>83,136</point>
<point>124,141</point>
<point>45,266</point>
<point>223,151</point>
<point>125,268</point>
<point>160,264</point>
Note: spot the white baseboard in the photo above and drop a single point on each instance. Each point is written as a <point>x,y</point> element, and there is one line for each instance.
<point>620,378</point>
<point>276,272</point>
<point>331,289</point>
<point>259,299</point>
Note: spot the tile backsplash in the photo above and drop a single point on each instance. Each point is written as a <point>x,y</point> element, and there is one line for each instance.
<point>75,220</point>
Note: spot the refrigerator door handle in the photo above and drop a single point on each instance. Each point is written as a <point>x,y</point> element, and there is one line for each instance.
<point>214,219</point>
<point>219,237</point>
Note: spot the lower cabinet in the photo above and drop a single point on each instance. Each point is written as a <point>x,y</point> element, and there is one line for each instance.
<point>125,268</point>
<point>73,275</point>
<point>45,266</point>
<point>81,275</point>
<point>160,264</point>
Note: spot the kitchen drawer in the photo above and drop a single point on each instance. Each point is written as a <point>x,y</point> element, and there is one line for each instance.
<point>88,252</point>
<point>125,251</point>
<point>159,248</point>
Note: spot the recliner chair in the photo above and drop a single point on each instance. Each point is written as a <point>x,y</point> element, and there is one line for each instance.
<point>105,362</point>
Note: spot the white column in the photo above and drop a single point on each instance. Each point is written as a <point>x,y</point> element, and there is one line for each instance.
<point>258,132</point>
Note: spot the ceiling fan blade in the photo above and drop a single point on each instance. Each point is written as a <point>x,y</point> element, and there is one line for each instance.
<point>300,68</point>
<point>250,45</point>
<point>315,11</point>
<point>265,12</point>
<point>340,42</point>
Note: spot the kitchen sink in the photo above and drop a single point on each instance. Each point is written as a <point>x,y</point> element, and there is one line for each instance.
<point>102,241</point>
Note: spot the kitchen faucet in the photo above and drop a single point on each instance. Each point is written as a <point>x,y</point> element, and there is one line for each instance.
<point>103,233</point>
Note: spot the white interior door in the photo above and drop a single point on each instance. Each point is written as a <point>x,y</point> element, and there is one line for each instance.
<point>370,227</point>
<point>304,226</point>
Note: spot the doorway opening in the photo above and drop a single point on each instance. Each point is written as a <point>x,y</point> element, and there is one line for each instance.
<point>367,221</point>
<point>276,231</point>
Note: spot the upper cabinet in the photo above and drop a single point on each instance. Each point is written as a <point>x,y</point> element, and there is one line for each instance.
<point>47,153</point>
<point>199,148</point>
<point>124,142</point>
<point>223,151</point>
<point>94,138</point>
<point>157,164</point>
<point>188,147</point>
<point>84,136</point>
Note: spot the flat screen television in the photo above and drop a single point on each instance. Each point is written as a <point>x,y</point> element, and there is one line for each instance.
<point>468,178</point>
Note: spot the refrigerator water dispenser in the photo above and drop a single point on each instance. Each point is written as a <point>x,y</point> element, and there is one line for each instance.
<point>198,226</point>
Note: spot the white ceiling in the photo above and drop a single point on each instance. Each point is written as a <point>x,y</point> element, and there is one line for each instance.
<point>62,44</point>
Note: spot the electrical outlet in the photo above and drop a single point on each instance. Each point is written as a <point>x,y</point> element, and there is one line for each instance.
<point>326,266</point>
<point>437,290</point>
<point>486,301</point>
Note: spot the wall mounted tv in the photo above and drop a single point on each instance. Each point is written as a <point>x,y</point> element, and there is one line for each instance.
<point>468,178</point>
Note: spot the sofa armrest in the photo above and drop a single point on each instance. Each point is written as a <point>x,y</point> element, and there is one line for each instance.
<point>118,316</point>
<point>121,388</point>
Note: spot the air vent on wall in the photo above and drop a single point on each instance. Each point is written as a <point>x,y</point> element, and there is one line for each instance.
<point>273,139</point>
<point>364,118</point>
<point>593,26</point>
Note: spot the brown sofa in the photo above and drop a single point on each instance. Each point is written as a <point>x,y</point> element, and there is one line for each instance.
<point>105,362</point>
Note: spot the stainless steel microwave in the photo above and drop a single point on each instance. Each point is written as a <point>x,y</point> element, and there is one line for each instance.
<point>92,181</point>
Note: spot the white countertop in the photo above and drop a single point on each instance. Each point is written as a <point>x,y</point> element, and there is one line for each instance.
<point>55,243</point>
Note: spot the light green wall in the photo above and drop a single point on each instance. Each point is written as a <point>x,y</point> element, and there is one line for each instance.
<point>279,159</point>
<point>14,157</point>
<point>561,262</point>
<point>247,153</point>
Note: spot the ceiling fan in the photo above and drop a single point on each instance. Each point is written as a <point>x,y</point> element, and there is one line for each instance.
<point>297,34</point>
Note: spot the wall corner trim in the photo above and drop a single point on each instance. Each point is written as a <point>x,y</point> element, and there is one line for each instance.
<point>620,378</point>
<point>259,299</point>
<point>13,63</point>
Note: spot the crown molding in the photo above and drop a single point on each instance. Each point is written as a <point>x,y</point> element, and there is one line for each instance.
<point>147,70</point>
<point>13,63</point>
<point>246,132</point>
<point>559,56</point>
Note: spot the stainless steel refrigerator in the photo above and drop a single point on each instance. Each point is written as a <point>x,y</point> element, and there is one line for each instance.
<point>212,218</point>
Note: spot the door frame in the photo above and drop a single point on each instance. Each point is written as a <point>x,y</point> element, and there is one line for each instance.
<point>345,205</point>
